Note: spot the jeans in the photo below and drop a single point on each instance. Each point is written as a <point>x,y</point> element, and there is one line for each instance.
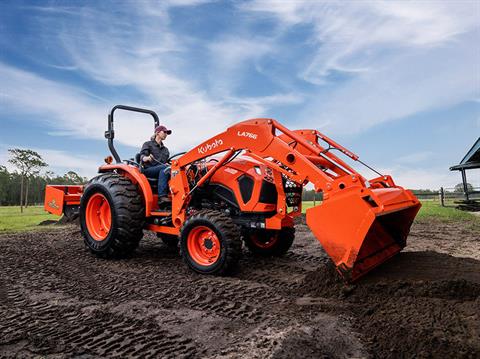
<point>162,172</point>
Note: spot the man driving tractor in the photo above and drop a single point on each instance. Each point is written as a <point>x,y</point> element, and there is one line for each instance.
<point>153,157</point>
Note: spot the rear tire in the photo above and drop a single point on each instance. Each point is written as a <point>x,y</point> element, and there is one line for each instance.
<point>210,243</point>
<point>112,216</point>
<point>269,242</point>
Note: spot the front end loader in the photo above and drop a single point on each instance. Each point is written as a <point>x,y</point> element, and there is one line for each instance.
<point>243,185</point>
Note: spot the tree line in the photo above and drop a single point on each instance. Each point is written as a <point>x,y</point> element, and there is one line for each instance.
<point>311,195</point>
<point>26,184</point>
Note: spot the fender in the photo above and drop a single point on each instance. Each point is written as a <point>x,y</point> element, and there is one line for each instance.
<point>137,177</point>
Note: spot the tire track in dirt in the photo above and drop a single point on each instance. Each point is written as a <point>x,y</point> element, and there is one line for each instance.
<point>156,276</point>
<point>96,333</point>
<point>59,300</point>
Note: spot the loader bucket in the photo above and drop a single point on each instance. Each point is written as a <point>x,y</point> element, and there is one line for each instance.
<point>362,228</point>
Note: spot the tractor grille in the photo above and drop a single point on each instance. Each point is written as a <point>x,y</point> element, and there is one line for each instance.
<point>293,192</point>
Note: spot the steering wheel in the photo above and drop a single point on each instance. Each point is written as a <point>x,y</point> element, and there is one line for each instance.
<point>169,160</point>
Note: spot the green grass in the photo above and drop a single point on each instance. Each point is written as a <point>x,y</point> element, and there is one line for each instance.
<point>11,220</point>
<point>432,209</point>
<point>308,204</point>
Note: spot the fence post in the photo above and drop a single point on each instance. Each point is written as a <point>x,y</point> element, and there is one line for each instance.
<point>442,197</point>
<point>465,186</point>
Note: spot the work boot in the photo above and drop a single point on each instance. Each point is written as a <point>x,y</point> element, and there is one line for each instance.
<point>164,202</point>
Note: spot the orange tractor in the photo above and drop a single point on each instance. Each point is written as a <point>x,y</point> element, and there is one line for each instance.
<point>243,185</point>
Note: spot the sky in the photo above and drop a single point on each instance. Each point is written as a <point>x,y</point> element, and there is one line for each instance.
<point>396,82</point>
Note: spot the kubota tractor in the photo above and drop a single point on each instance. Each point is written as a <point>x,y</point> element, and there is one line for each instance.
<point>243,185</point>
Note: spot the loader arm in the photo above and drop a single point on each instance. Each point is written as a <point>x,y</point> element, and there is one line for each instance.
<point>360,223</point>
<point>259,139</point>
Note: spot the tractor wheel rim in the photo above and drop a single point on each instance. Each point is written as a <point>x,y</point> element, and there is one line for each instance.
<point>98,216</point>
<point>203,245</point>
<point>264,242</point>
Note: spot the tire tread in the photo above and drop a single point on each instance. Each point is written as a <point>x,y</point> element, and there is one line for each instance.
<point>129,219</point>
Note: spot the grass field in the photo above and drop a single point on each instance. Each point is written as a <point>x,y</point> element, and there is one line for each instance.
<point>434,209</point>
<point>11,220</point>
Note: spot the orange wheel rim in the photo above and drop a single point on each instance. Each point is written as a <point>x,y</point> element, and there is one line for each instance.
<point>98,216</point>
<point>203,245</point>
<point>264,242</point>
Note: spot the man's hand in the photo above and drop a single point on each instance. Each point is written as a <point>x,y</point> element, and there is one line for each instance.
<point>148,158</point>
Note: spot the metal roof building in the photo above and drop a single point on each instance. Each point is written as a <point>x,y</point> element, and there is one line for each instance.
<point>470,161</point>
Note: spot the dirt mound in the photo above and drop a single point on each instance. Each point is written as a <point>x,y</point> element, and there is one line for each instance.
<point>326,282</point>
<point>410,326</point>
<point>429,310</point>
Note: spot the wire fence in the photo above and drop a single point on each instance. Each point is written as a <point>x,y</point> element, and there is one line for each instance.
<point>452,197</point>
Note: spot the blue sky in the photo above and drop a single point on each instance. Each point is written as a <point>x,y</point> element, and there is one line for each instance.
<point>396,82</point>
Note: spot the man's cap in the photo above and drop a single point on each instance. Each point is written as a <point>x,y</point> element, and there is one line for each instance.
<point>162,128</point>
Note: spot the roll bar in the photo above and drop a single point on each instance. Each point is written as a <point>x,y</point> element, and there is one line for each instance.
<point>110,133</point>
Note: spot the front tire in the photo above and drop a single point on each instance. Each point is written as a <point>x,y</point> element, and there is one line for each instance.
<point>210,243</point>
<point>112,216</point>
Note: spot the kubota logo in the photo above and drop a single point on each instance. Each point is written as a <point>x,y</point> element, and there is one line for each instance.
<point>247,134</point>
<point>53,204</point>
<point>209,146</point>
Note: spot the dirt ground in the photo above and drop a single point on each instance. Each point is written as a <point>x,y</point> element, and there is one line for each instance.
<point>57,300</point>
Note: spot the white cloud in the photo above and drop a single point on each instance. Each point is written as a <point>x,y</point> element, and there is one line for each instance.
<point>411,83</point>
<point>72,113</point>
<point>138,62</point>
<point>352,34</point>
<point>59,105</point>
<point>431,178</point>
<point>424,179</point>
<point>288,11</point>
<point>69,111</point>
<point>231,55</point>
<point>60,162</point>
<point>256,106</point>
<point>145,62</point>
<point>139,56</point>
<point>399,58</point>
